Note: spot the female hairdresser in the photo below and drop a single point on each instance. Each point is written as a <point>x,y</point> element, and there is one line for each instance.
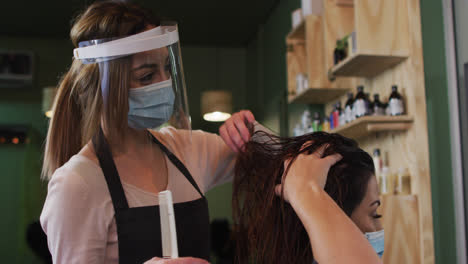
<point>104,164</point>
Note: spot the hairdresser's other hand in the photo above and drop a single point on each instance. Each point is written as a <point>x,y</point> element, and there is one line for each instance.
<point>308,170</point>
<point>156,260</point>
<point>235,131</point>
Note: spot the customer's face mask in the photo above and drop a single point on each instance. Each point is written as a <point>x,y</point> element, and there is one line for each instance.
<point>376,239</point>
<point>150,106</point>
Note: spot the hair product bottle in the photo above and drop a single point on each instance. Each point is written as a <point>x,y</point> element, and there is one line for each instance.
<point>369,109</point>
<point>326,124</point>
<point>359,105</point>
<point>385,183</point>
<point>376,157</point>
<point>316,123</point>
<point>336,115</point>
<point>349,108</point>
<point>378,107</point>
<point>342,116</point>
<point>395,102</point>
<point>306,122</point>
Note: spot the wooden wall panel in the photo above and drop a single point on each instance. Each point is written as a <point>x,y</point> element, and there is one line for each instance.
<point>382,27</point>
<point>314,46</point>
<point>400,218</point>
<point>407,149</point>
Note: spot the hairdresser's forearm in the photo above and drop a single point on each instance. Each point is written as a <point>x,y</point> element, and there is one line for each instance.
<point>333,236</point>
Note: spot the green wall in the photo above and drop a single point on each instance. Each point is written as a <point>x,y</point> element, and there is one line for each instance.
<point>211,68</point>
<point>438,115</point>
<point>22,192</point>
<point>267,59</point>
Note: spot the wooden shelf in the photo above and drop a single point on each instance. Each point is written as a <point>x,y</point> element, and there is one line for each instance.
<point>366,65</point>
<point>368,125</point>
<point>344,2</point>
<point>317,95</point>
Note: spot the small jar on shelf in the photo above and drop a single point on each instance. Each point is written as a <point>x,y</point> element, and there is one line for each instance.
<point>403,182</point>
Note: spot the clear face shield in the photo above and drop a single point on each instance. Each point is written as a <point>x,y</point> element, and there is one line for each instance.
<point>149,66</point>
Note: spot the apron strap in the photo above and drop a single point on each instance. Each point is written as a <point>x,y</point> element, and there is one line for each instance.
<point>178,164</point>
<point>104,155</point>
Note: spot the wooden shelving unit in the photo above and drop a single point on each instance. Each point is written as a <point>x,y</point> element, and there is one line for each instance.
<point>367,125</point>
<point>387,51</point>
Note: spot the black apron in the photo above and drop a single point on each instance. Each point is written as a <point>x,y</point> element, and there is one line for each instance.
<point>139,228</point>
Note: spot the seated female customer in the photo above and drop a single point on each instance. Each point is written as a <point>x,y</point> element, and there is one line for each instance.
<point>333,197</point>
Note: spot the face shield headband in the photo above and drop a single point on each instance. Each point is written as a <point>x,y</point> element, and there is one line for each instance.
<point>95,51</point>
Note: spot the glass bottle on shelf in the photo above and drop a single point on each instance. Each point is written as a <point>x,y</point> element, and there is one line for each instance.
<point>359,104</point>
<point>395,102</point>
<point>368,104</point>
<point>379,107</point>
<point>385,182</point>
<point>349,108</point>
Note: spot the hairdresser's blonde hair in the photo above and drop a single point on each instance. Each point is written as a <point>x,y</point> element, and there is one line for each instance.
<point>78,107</point>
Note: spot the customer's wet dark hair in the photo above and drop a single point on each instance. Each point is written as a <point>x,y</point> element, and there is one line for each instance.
<point>267,229</point>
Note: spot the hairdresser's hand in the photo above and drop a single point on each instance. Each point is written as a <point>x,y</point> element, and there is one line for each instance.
<point>235,131</point>
<point>176,261</point>
<point>306,171</point>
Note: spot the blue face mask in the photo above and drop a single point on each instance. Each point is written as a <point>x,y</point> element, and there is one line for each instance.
<point>376,239</point>
<point>150,106</point>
